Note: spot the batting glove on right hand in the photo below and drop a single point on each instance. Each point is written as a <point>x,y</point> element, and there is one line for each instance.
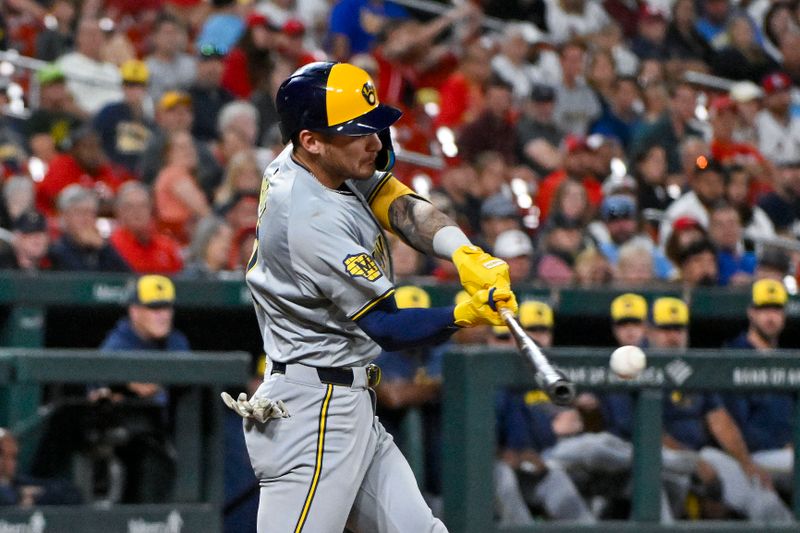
<point>483,308</point>
<point>478,270</point>
<point>260,409</point>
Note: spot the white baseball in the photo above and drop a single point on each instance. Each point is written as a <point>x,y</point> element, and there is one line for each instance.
<point>628,361</point>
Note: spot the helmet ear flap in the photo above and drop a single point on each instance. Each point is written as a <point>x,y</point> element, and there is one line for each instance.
<point>385,158</point>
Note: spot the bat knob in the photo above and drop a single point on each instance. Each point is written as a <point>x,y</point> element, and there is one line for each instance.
<point>561,392</point>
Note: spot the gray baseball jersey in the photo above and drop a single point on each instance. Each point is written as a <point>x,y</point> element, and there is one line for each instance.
<point>321,261</point>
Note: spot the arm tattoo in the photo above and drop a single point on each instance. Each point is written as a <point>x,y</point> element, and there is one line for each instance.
<point>416,221</point>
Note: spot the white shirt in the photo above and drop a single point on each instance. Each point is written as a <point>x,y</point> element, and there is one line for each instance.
<point>93,84</point>
<point>688,205</point>
<point>565,26</point>
<point>778,141</point>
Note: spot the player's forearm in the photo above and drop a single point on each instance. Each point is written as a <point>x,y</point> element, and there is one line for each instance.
<point>728,435</point>
<point>417,222</point>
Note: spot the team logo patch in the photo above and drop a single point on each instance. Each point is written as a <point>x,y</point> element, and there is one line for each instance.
<point>368,92</point>
<point>362,266</point>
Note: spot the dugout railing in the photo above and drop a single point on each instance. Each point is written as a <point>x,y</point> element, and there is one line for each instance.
<point>195,380</point>
<point>472,376</point>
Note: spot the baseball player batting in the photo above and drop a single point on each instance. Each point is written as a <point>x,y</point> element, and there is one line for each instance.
<point>321,280</point>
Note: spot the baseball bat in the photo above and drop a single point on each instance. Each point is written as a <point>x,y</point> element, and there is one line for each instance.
<point>560,390</point>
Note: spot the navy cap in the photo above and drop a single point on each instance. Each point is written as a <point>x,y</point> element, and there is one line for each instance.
<point>30,221</point>
<point>543,93</point>
<point>618,206</point>
<point>498,206</point>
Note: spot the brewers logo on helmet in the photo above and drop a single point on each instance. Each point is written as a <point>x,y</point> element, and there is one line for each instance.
<point>332,97</point>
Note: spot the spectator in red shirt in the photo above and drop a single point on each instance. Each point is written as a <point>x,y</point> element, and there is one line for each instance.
<point>461,95</point>
<point>136,238</point>
<point>84,163</point>
<point>249,64</point>
<point>494,128</point>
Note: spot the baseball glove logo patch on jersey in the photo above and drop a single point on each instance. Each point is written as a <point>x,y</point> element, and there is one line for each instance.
<point>362,266</point>
<point>368,92</point>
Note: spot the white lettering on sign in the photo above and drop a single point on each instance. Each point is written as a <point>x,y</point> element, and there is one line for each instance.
<point>173,524</point>
<point>766,376</point>
<point>102,292</point>
<point>600,375</point>
<point>35,524</point>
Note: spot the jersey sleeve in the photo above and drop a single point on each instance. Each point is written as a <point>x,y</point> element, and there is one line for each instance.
<point>380,191</point>
<point>327,258</point>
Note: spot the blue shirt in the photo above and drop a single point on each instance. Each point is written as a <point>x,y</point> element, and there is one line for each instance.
<point>764,418</point>
<point>729,264</point>
<point>525,420</point>
<point>355,20</point>
<point>662,267</point>
<point>222,31</point>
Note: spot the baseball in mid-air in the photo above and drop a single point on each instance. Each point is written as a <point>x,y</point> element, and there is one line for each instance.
<point>628,361</point>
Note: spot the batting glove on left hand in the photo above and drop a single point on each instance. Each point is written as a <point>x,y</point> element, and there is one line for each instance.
<point>260,409</point>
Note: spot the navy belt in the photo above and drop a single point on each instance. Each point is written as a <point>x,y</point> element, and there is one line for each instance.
<point>335,376</point>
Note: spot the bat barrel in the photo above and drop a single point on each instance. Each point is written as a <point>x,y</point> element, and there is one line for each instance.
<point>561,392</point>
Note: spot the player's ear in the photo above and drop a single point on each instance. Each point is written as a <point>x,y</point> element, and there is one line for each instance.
<point>310,141</point>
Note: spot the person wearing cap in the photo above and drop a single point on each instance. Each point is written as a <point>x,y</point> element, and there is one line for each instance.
<point>498,214</point>
<point>773,263</point>
<point>207,93</point>
<point>697,263</point>
<point>735,265</point>
<point>700,436</point>
<point>147,326</point>
<point>577,165</point>
<point>223,27</point>
<point>170,67</point>
<point>515,248</point>
<point>528,427</point>
<point>707,188</point>
<point>650,41</point>
<point>81,247</point>
<point>175,115</point>
<point>28,249</point>
<point>629,319</point>
<point>249,64</point>
<point>778,128</point>
<point>92,81</point>
<point>747,97</point>
<point>538,134</point>
<point>56,116</point>
<point>765,418</point>
<point>124,127</point>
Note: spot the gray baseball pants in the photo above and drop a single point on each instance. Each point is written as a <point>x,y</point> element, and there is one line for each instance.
<point>331,464</point>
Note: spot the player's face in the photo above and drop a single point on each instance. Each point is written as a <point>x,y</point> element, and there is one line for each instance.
<point>152,323</point>
<point>769,321</point>
<point>344,157</point>
<point>630,333</point>
<point>669,338</point>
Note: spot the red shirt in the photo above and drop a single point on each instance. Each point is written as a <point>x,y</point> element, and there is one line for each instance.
<point>235,74</point>
<point>460,101</point>
<point>549,186</point>
<point>64,171</point>
<point>160,255</point>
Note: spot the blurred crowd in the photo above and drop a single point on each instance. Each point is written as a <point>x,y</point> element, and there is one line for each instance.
<point>592,143</point>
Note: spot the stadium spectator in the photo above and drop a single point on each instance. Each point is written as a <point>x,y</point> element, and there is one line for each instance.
<point>538,135</point>
<point>697,263</point>
<point>84,163</point>
<point>124,127</point>
<point>58,38</point>
<point>779,20</point>
<point>170,67</point>
<point>459,183</point>
<point>208,96</point>
<point>707,188</point>
<point>223,27</point>
<point>592,268</point>
<point>28,249</point>
<point>620,118</point>
<point>355,24</point>
<point>734,264</point>
<point>559,245</point>
<point>743,58</point>
<point>723,117</point>
<point>498,214</point>
<point>684,43</point>
<point>81,247</point>
<point>685,231</point>
<point>24,491</point>
<point>650,171</point>
<point>747,97</point>
<point>629,319</point>
<point>410,391</point>
<point>237,124</point>
<point>56,116</point>
<point>576,104</point>
<point>242,176</point>
<point>670,128</point>
<point>650,41</point>
<point>179,200</point>
<point>782,205</point>
<point>577,166</point>
<point>513,64</point>
<point>635,265</point>
<point>174,115</point>
<point>210,249</point>
<point>773,263</point>
<point>18,197</point>
<point>136,238</point>
<point>493,129</point>
<point>515,248</point>
<point>147,455</point>
<point>778,130</point>
<point>572,19</point>
<point>528,425</point>
<point>790,51</point>
<point>755,221</point>
<point>765,417</point>
<point>713,21</point>
<point>92,81</point>
<point>461,94</point>
<point>249,64</point>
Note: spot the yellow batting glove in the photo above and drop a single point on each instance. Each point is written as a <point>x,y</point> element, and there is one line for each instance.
<point>483,308</point>
<point>478,270</point>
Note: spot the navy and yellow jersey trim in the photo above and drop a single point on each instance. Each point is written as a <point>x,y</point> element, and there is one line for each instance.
<point>372,303</point>
<point>320,452</point>
<point>387,191</point>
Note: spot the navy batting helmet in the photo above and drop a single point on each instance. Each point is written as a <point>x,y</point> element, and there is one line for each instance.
<point>332,97</point>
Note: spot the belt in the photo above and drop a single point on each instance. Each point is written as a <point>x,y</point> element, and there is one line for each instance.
<point>336,376</point>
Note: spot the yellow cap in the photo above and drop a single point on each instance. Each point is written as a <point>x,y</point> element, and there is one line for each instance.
<point>629,307</point>
<point>535,314</point>
<point>174,98</point>
<point>669,311</point>
<point>769,293</point>
<point>153,291</point>
<point>410,296</point>
<point>134,71</point>
<point>350,93</point>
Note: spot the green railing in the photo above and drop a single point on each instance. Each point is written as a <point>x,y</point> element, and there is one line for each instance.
<point>198,491</point>
<point>472,376</point>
